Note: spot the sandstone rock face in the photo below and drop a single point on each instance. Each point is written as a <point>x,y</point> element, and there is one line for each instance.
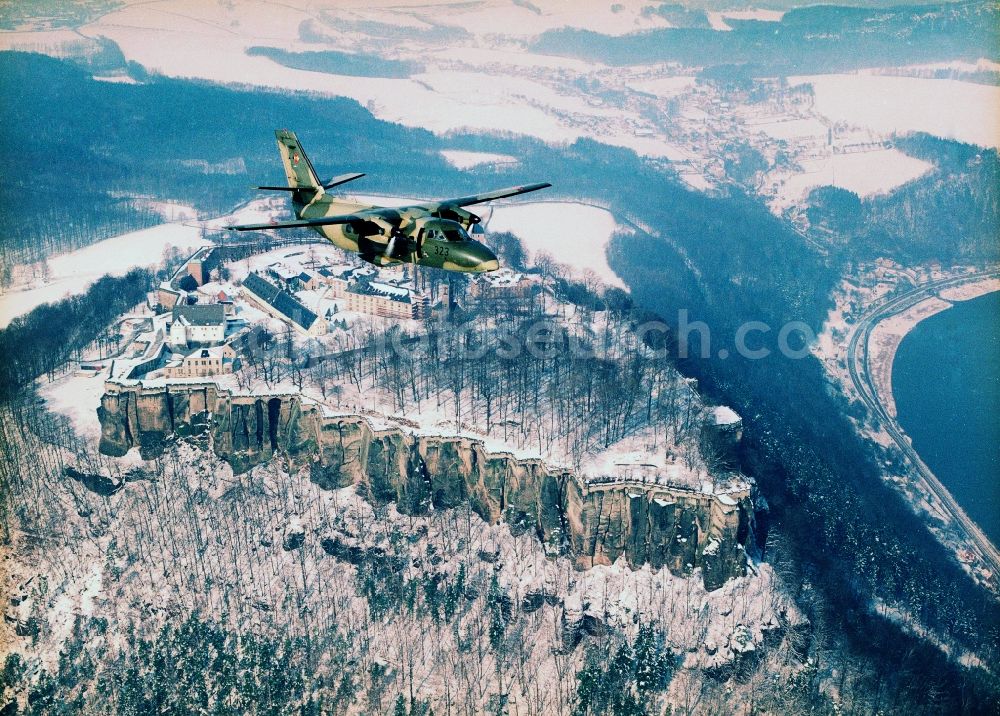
<point>673,527</point>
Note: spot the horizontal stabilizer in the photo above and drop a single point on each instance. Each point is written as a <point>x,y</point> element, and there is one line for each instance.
<point>335,181</point>
<point>342,179</point>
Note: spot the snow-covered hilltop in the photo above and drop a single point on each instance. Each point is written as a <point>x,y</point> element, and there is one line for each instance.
<point>372,401</point>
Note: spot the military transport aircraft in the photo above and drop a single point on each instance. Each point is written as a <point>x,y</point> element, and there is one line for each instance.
<point>433,234</point>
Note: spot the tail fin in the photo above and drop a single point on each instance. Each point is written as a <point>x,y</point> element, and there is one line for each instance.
<point>298,169</point>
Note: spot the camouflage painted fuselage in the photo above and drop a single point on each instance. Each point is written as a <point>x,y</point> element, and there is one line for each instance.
<point>420,238</point>
<point>434,234</point>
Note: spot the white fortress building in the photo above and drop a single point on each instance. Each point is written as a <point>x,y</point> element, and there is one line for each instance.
<point>197,324</point>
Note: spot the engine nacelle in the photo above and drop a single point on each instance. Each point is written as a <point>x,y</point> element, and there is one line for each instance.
<point>456,213</point>
<point>363,228</point>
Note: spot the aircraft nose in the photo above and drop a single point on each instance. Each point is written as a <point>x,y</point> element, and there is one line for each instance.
<point>488,261</point>
<point>483,259</point>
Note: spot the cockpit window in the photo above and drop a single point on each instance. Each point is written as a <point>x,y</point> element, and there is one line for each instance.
<point>446,233</point>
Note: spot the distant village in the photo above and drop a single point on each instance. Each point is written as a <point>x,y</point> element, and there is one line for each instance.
<point>196,322</point>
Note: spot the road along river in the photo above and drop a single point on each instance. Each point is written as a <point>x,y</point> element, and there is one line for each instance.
<point>872,380</point>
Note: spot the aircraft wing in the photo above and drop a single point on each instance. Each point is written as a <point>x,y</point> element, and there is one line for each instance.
<point>491,195</point>
<point>303,223</point>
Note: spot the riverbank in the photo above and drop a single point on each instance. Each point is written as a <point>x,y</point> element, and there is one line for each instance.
<point>908,300</point>
<point>888,334</point>
<point>946,384</point>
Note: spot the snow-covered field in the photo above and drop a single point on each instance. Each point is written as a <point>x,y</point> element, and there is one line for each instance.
<point>180,38</point>
<point>117,79</point>
<point>73,272</point>
<point>58,43</point>
<point>529,19</point>
<point>789,128</point>
<point>576,235</point>
<point>169,210</point>
<point>651,146</point>
<point>864,173</point>
<point>491,18</point>
<point>465,160</point>
<point>980,65</point>
<point>478,83</point>
<point>948,108</point>
<point>717,19</point>
<point>77,396</point>
<point>492,89</point>
<point>254,211</point>
<point>504,54</point>
<point>664,86</point>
